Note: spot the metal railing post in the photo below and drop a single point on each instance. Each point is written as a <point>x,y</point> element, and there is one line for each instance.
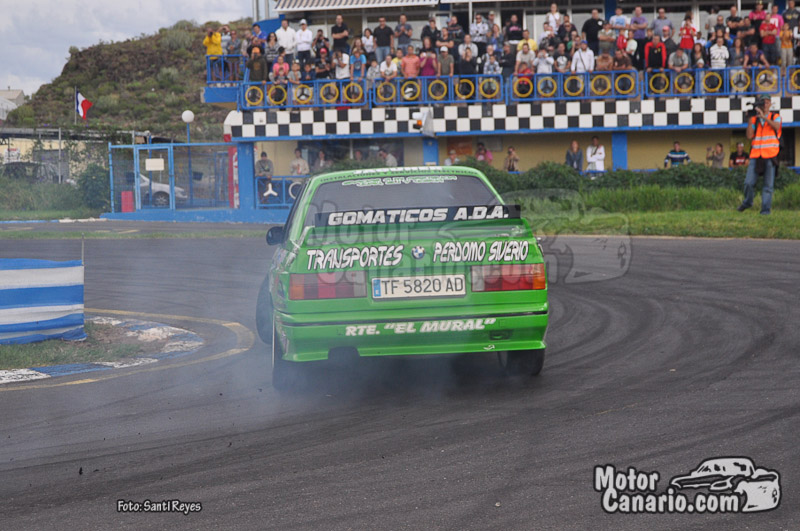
<point>111,175</point>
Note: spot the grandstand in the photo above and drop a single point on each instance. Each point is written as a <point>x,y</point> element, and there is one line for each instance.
<point>628,83</point>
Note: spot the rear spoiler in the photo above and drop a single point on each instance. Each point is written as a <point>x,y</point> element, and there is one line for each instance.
<point>389,216</point>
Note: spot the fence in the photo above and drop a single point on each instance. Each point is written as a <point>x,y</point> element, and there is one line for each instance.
<point>279,191</point>
<point>558,86</point>
<point>426,91</point>
<point>225,69</point>
<point>736,81</point>
<point>172,176</point>
<point>318,93</point>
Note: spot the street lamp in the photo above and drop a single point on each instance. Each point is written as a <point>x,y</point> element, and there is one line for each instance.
<point>188,118</point>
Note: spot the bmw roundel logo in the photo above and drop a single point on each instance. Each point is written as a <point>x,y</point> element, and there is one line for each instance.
<point>418,252</point>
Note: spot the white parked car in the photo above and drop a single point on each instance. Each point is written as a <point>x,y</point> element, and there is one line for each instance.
<point>160,192</point>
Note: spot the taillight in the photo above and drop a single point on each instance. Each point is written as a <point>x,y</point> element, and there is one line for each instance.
<point>512,277</point>
<point>335,285</point>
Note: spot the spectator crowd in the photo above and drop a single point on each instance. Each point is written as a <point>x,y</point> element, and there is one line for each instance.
<point>762,38</point>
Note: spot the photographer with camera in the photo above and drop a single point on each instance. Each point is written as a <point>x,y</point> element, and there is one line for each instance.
<point>213,44</point>
<point>764,132</point>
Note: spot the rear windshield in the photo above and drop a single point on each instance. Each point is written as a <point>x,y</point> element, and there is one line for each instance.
<point>418,191</point>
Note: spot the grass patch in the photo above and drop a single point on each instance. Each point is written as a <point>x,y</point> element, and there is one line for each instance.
<point>19,195</point>
<point>31,215</point>
<point>653,198</point>
<point>698,223</point>
<point>101,234</point>
<point>104,343</point>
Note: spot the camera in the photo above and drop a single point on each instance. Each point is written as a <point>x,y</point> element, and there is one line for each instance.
<point>760,103</point>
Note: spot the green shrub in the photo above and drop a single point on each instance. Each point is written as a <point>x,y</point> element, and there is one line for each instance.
<point>653,198</point>
<point>93,185</point>
<point>22,116</point>
<point>168,75</point>
<point>560,176</point>
<point>21,195</point>
<point>186,25</point>
<point>788,198</point>
<point>176,39</point>
<point>107,102</point>
<point>173,100</point>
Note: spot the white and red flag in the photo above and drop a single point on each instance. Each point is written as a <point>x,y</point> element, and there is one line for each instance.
<point>81,105</point>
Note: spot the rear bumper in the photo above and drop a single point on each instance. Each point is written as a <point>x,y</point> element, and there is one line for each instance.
<point>373,334</point>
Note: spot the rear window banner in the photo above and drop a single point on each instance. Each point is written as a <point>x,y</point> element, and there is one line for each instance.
<point>385,216</point>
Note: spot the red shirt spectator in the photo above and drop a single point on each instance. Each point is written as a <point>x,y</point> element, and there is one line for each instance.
<point>687,34</point>
<point>768,32</point>
<point>410,64</point>
<point>280,69</point>
<point>622,41</point>
<point>655,53</point>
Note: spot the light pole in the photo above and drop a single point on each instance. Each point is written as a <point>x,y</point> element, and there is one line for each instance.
<point>188,118</point>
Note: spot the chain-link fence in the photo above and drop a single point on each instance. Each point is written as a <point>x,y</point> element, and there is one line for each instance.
<point>170,176</point>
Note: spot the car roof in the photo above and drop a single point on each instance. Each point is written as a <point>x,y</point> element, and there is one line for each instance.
<point>372,173</point>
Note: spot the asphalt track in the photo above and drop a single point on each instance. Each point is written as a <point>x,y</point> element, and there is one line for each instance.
<point>692,353</point>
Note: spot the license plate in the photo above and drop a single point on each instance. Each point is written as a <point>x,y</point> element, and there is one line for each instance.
<point>420,286</point>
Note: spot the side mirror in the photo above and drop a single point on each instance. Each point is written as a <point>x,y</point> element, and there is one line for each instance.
<point>275,235</point>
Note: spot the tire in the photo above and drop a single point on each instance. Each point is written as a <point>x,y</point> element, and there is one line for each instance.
<point>161,199</point>
<point>522,362</point>
<point>264,313</point>
<point>286,375</point>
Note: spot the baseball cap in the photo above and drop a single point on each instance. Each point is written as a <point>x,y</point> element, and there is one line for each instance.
<point>443,49</point>
<point>584,42</point>
<point>303,22</point>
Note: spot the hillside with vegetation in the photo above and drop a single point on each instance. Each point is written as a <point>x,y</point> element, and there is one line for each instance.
<point>141,84</point>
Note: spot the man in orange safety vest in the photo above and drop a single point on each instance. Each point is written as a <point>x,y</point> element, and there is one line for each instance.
<point>764,132</point>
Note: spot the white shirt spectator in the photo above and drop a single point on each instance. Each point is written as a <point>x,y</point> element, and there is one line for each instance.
<point>225,40</point>
<point>390,161</point>
<point>719,56</point>
<point>388,70</point>
<point>523,57</point>
<point>463,46</point>
<point>478,31</point>
<point>304,40</point>
<point>544,65</point>
<point>617,21</point>
<point>343,72</point>
<point>369,43</point>
<point>554,19</point>
<point>287,38</point>
<point>583,61</point>
<point>595,158</point>
<point>631,47</point>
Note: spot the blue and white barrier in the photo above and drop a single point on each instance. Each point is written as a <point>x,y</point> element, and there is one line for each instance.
<point>40,299</point>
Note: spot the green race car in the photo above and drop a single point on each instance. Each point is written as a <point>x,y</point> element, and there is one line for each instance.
<point>403,261</point>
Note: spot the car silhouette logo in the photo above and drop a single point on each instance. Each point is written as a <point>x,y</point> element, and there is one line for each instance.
<point>759,489</point>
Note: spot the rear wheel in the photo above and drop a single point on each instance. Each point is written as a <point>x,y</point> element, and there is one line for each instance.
<point>525,362</point>
<point>264,313</point>
<point>161,199</point>
<point>286,375</point>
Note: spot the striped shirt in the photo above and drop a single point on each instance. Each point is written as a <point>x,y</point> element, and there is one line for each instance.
<point>676,158</point>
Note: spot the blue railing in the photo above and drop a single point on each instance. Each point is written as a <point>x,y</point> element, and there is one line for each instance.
<point>441,90</point>
<point>224,69</point>
<point>280,191</point>
<point>792,80</point>
<point>426,91</point>
<point>558,86</point>
<point>735,81</point>
<point>318,93</point>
